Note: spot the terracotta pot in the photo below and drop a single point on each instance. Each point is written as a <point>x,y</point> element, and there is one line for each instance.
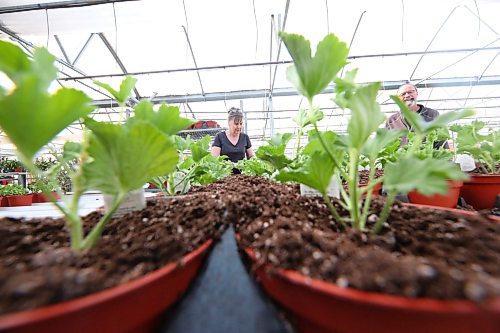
<point>481,191</point>
<point>449,200</point>
<point>4,202</point>
<point>321,307</point>
<point>20,200</point>
<point>41,198</point>
<point>376,190</point>
<point>136,306</point>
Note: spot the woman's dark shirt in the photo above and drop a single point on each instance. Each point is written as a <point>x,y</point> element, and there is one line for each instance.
<point>234,152</point>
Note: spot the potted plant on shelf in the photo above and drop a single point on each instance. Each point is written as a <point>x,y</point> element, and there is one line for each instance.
<point>140,274</point>
<point>43,185</point>
<point>16,195</point>
<point>483,187</point>
<point>337,273</point>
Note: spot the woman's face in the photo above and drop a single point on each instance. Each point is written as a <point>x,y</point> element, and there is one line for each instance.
<point>235,126</point>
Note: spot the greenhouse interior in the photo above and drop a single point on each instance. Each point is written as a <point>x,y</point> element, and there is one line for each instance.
<point>250,166</point>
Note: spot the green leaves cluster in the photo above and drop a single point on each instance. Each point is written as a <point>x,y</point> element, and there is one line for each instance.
<point>483,144</point>
<point>13,189</point>
<point>340,156</point>
<point>197,168</point>
<point>113,158</point>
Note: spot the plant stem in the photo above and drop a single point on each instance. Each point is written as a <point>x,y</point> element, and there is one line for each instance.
<point>333,210</point>
<point>299,135</point>
<point>353,188</point>
<point>369,193</point>
<point>91,239</point>
<point>385,212</point>
<point>325,147</point>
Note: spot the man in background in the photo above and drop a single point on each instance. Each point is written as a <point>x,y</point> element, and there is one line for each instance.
<point>408,93</point>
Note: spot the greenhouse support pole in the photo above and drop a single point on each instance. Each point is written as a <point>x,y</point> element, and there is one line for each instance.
<point>271,116</point>
<point>244,116</point>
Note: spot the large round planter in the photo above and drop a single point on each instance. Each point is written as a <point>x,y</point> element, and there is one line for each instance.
<point>448,200</point>
<point>20,200</point>
<point>481,191</point>
<point>136,306</point>
<point>318,306</point>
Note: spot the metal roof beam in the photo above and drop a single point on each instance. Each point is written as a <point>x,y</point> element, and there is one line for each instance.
<point>61,47</point>
<point>83,49</point>
<point>260,93</point>
<point>117,59</point>
<point>56,5</point>
<point>282,62</point>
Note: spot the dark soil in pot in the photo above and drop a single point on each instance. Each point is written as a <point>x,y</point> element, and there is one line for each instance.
<point>422,252</point>
<point>38,268</point>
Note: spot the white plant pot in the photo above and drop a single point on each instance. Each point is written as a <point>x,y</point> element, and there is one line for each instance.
<point>333,190</point>
<point>134,200</point>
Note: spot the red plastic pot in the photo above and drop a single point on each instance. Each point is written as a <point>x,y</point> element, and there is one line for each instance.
<point>449,200</point>
<point>20,200</point>
<point>136,306</point>
<point>4,202</point>
<point>322,307</point>
<point>41,198</point>
<point>481,191</point>
<point>376,190</point>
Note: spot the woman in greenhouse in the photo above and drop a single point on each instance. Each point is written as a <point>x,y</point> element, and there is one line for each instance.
<point>233,143</point>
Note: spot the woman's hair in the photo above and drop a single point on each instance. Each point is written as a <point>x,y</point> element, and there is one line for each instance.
<point>234,113</point>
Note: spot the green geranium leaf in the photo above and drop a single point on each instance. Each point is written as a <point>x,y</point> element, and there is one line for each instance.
<point>43,67</point>
<point>167,118</point>
<point>305,118</point>
<point>280,139</point>
<point>255,167</point>
<point>314,144</point>
<point>484,148</point>
<point>123,158</point>
<point>13,61</point>
<point>345,88</point>
<point>317,173</point>
<point>366,115</point>
<point>311,75</point>
<point>126,88</point>
<point>29,116</point>
<point>186,164</point>
<point>71,150</point>
<point>210,169</point>
<point>419,125</point>
<point>42,116</point>
<point>199,149</point>
<point>426,176</point>
<point>383,138</point>
<point>275,155</point>
<point>181,143</point>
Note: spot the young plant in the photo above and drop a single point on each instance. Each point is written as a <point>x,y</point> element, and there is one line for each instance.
<point>13,189</point>
<point>113,158</point>
<point>43,185</point>
<point>364,138</point>
<point>484,148</point>
<point>255,167</point>
<point>197,168</point>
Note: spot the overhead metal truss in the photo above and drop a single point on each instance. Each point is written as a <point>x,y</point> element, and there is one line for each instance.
<point>57,5</point>
<point>290,91</point>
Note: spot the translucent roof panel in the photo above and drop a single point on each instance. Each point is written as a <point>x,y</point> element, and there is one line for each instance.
<point>207,56</point>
